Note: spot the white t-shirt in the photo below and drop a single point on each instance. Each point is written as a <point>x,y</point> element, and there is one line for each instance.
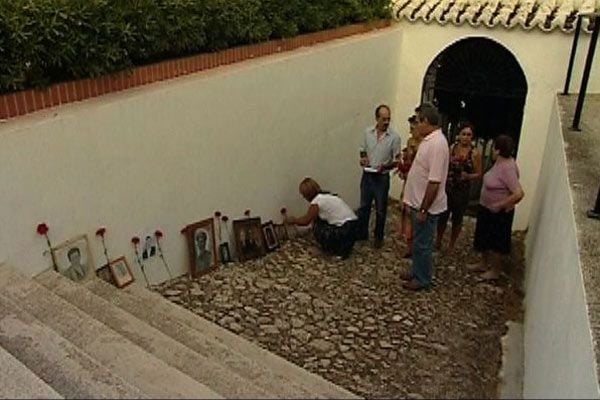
<point>333,209</point>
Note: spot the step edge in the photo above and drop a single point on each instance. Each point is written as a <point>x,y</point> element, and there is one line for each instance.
<point>71,291</point>
<point>18,280</point>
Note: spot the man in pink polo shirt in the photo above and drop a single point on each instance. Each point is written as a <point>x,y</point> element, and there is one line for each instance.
<point>425,195</point>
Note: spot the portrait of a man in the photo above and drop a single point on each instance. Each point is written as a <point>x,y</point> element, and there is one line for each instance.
<point>248,238</point>
<point>203,254</point>
<point>149,248</point>
<point>202,246</point>
<point>76,271</point>
<point>73,259</point>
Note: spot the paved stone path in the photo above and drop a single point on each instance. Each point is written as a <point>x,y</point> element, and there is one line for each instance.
<point>352,323</point>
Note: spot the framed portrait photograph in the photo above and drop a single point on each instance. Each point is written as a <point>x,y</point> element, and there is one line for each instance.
<point>225,253</point>
<point>120,272</point>
<point>74,259</point>
<point>202,246</point>
<point>249,240</point>
<point>104,274</point>
<point>271,241</point>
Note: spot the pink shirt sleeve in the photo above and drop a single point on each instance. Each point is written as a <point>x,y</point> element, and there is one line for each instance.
<point>439,163</point>
<point>510,176</point>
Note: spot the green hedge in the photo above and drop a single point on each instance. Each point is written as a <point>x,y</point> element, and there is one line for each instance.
<point>45,41</point>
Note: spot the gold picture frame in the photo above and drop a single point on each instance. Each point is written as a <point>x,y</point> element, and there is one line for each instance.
<point>121,273</point>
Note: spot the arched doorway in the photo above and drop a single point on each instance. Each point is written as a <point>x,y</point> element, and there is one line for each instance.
<point>479,80</point>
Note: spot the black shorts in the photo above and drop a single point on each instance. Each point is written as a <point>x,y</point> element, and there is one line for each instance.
<point>493,230</point>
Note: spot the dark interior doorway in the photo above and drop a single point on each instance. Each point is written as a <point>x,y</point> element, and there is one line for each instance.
<point>479,80</point>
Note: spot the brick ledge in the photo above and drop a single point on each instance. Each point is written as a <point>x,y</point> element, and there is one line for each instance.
<point>30,100</point>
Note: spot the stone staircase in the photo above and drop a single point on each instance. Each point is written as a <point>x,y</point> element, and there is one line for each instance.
<point>60,339</point>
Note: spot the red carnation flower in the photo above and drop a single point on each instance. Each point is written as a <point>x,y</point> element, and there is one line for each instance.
<point>217,214</point>
<point>101,231</point>
<point>283,210</point>
<point>135,240</point>
<point>158,233</point>
<point>224,218</point>
<point>247,213</point>
<point>42,228</point>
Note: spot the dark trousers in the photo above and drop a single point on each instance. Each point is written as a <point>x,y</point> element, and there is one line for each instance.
<point>337,240</point>
<point>373,186</point>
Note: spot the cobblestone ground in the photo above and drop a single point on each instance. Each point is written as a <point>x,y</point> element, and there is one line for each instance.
<point>352,323</point>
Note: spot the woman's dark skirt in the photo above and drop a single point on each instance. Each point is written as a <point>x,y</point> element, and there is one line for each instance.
<point>493,230</point>
<point>337,240</point>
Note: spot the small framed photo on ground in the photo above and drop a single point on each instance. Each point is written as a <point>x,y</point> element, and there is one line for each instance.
<point>249,240</point>
<point>202,247</point>
<point>281,230</point>
<point>104,274</point>
<point>74,259</point>
<point>120,272</point>
<point>224,253</point>
<point>271,242</point>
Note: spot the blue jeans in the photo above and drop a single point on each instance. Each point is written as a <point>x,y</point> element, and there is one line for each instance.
<point>422,258</point>
<point>373,186</point>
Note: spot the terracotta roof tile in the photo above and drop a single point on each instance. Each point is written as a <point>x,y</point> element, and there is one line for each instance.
<point>547,15</point>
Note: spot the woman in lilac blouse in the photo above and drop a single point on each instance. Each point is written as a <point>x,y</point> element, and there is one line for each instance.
<point>500,192</point>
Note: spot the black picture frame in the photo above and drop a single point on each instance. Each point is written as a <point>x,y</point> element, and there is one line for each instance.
<point>270,236</point>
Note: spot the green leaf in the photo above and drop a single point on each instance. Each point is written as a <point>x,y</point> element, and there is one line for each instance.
<point>45,41</point>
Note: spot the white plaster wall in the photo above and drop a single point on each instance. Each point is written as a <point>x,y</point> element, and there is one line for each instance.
<point>543,58</point>
<point>172,153</point>
<point>239,137</point>
<point>559,356</point>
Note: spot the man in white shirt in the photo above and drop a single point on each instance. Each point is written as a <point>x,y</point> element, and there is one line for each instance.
<point>425,194</point>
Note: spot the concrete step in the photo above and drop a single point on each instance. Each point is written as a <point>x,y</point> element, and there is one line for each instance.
<point>261,376</point>
<point>205,337</point>
<point>207,370</point>
<point>122,357</point>
<point>19,382</point>
<point>52,359</point>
